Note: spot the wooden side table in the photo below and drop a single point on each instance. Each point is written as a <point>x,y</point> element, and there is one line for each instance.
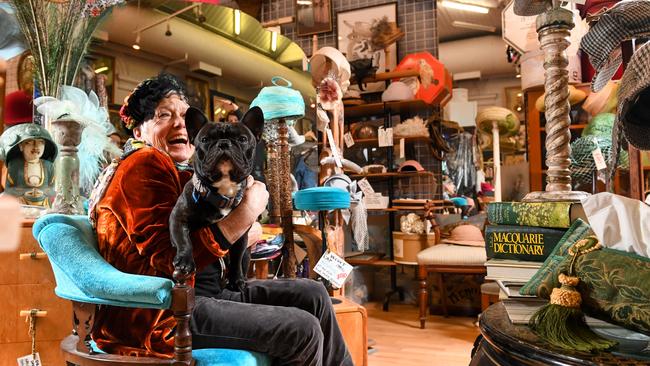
<point>353,321</point>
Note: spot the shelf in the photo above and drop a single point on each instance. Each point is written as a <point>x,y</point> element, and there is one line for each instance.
<point>362,143</point>
<point>571,127</point>
<point>370,262</point>
<point>375,109</point>
<point>389,175</point>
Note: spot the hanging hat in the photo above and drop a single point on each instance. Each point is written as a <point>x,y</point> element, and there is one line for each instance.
<point>280,101</point>
<point>507,121</point>
<point>624,21</point>
<point>13,136</point>
<point>384,33</point>
<point>466,235</point>
<point>397,91</point>
<point>340,66</point>
<point>531,7</point>
<point>410,166</point>
<point>603,101</point>
<point>592,9</point>
<point>634,99</point>
<point>600,125</point>
<point>18,108</point>
<point>575,96</point>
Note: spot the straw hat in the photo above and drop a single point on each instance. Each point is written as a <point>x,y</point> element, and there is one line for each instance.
<point>466,235</point>
<point>575,96</point>
<point>508,121</point>
<point>603,101</point>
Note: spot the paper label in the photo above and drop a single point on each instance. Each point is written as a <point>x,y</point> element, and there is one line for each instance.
<point>349,141</point>
<point>599,159</point>
<point>398,248</point>
<point>335,150</point>
<point>365,186</point>
<point>402,154</point>
<point>333,268</point>
<point>385,137</point>
<point>30,360</point>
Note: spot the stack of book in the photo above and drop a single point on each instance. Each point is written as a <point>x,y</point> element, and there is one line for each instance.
<point>518,238</point>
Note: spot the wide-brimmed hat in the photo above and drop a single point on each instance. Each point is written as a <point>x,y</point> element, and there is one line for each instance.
<point>466,235</point>
<point>340,66</point>
<point>13,136</point>
<point>624,21</point>
<point>410,166</point>
<point>507,121</point>
<point>575,96</point>
<point>634,99</point>
<point>603,101</point>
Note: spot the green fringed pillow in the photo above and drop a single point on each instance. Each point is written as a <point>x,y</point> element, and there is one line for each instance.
<point>615,285</point>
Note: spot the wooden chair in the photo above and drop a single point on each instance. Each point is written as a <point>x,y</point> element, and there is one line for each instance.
<point>445,259</point>
<point>85,278</point>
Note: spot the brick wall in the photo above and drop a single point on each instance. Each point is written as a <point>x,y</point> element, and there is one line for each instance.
<point>414,17</point>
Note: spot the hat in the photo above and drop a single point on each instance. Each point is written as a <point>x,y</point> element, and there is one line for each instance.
<point>340,65</point>
<point>466,235</point>
<point>592,9</point>
<point>575,96</point>
<point>410,166</point>
<point>18,108</point>
<point>601,125</point>
<point>530,7</point>
<point>13,136</point>
<point>624,21</point>
<point>603,101</point>
<point>507,121</point>
<point>397,91</point>
<point>279,101</point>
<point>634,99</point>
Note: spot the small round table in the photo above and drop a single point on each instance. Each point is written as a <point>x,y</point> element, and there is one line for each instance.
<point>503,343</point>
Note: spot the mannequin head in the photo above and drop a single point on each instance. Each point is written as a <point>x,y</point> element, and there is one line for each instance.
<point>32,149</point>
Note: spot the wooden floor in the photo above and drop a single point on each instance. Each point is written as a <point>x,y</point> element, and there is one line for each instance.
<point>398,339</point>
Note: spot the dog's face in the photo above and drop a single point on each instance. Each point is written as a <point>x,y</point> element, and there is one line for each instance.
<point>225,152</point>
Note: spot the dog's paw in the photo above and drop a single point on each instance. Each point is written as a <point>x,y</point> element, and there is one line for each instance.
<point>236,285</point>
<point>184,263</point>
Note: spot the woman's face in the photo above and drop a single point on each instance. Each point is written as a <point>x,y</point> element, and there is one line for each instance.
<point>166,130</point>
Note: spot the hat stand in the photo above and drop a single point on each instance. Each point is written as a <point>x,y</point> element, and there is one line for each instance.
<point>67,134</point>
<point>553,29</point>
<point>496,158</point>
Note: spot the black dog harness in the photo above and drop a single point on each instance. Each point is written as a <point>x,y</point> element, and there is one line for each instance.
<point>204,193</point>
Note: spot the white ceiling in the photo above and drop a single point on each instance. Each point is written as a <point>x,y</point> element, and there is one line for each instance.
<point>447,32</point>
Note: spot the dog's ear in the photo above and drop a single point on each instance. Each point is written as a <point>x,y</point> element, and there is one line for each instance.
<point>194,121</point>
<point>254,120</point>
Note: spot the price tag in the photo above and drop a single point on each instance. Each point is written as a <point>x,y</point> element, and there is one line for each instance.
<point>599,159</point>
<point>349,141</point>
<point>398,247</point>
<point>333,268</point>
<point>335,150</point>
<point>385,137</point>
<point>365,186</point>
<point>402,154</point>
<point>30,360</point>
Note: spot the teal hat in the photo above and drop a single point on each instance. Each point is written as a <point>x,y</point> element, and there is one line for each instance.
<point>601,125</point>
<point>14,135</point>
<point>280,101</point>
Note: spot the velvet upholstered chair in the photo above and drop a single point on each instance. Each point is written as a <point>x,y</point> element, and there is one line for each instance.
<point>85,278</point>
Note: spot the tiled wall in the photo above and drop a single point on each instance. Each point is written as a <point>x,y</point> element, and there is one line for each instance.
<point>414,17</point>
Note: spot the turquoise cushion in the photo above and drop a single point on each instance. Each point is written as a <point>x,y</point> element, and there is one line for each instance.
<point>321,199</point>
<point>82,274</point>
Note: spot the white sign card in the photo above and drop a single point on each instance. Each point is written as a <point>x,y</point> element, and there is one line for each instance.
<point>385,137</point>
<point>333,268</point>
<point>402,152</point>
<point>30,360</point>
<point>365,186</point>
<point>349,141</point>
<point>335,150</point>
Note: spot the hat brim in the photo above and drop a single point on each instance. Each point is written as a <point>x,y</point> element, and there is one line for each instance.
<point>471,243</point>
<point>606,72</point>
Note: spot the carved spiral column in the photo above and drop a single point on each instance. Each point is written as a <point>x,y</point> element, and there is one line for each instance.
<point>286,203</point>
<point>553,28</point>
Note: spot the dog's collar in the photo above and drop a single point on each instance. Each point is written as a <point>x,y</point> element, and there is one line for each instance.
<point>202,192</point>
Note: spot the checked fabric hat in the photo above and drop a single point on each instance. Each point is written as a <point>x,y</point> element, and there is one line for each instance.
<point>624,21</point>
<point>531,7</point>
<point>634,99</point>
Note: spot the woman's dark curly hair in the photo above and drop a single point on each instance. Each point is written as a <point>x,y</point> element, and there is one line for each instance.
<point>140,105</point>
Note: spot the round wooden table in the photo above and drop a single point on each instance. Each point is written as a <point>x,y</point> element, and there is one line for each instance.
<point>503,343</point>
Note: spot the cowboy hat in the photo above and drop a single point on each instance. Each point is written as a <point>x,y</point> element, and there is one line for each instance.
<point>507,121</point>
<point>624,21</point>
<point>575,96</point>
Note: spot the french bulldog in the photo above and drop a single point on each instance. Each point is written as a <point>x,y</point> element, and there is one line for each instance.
<point>223,160</point>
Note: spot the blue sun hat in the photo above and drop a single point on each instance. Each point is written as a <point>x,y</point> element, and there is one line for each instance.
<point>280,101</point>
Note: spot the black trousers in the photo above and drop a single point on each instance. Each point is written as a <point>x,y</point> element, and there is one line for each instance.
<point>292,320</point>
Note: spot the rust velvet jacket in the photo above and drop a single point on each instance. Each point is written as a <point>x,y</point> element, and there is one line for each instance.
<point>133,235</point>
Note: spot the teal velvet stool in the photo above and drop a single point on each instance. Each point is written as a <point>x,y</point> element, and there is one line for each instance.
<point>84,277</point>
<point>321,199</point>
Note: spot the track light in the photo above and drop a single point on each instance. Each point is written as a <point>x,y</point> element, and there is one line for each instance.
<point>136,45</point>
<point>466,7</point>
<point>200,17</point>
<point>168,33</point>
<point>237,21</point>
<point>274,40</point>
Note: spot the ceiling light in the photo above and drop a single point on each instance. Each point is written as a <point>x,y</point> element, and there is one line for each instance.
<point>466,25</point>
<point>168,33</point>
<point>304,2</point>
<point>274,40</point>
<point>465,7</point>
<point>201,17</point>
<point>136,45</point>
<point>518,76</point>
<point>101,69</point>
<point>237,21</point>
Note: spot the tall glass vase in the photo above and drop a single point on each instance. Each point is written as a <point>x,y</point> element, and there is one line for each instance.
<point>67,134</point>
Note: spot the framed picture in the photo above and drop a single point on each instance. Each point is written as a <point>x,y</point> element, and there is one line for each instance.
<point>354,36</point>
<point>220,105</point>
<point>198,94</point>
<point>313,17</point>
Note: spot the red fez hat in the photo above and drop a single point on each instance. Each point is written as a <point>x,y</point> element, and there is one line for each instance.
<point>18,108</point>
